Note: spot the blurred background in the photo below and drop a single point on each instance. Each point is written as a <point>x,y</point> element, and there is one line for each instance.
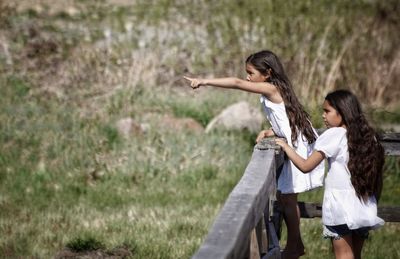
<point>102,143</point>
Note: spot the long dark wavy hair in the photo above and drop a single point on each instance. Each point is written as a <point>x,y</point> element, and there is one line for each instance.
<point>366,154</point>
<point>266,62</point>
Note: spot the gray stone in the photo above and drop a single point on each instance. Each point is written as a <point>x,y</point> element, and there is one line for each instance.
<point>238,116</point>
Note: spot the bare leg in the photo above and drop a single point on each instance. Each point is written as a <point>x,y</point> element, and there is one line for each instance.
<point>291,214</point>
<point>343,247</point>
<point>358,243</point>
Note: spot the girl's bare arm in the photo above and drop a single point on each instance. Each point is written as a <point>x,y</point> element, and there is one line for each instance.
<point>264,88</point>
<point>305,165</point>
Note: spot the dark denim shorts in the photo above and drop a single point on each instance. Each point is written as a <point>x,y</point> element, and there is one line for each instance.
<point>338,231</point>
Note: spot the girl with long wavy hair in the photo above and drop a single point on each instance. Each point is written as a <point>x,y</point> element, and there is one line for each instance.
<point>289,120</point>
<point>354,180</point>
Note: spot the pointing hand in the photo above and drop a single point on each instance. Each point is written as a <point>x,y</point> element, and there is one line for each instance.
<point>194,82</point>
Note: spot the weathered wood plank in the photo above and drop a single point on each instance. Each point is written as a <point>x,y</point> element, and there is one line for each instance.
<point>228,237</point>
<point>391,148</point>
<point>390,136</point>
<point>254,246</point>
<point>269,144</point>
<point>389,214</point>
<point>262,238</point>
<point>310,210</point>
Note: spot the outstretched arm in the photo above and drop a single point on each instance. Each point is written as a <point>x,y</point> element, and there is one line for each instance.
<point>267,89</point>
<point>305,165</point>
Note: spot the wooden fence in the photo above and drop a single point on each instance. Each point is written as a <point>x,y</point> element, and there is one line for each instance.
<point>249,223</point>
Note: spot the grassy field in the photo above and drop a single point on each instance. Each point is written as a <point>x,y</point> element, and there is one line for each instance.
<point>71,69</point>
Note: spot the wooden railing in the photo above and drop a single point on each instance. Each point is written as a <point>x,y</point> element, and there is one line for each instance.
<point>245,215</point>
<point>249,223</point>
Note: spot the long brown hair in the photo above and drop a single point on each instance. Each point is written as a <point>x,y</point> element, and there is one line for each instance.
<point>366,154</point>
<point>266,62</point>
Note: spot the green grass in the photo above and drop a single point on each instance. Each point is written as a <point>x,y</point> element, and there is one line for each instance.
<point>69,179</point>
<point>79,176</point>
<point>88,179</point>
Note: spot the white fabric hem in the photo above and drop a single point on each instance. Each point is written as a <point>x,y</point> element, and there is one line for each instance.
<point>326,233</point>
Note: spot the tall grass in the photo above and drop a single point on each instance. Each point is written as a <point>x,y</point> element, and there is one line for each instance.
<point>69,73</point>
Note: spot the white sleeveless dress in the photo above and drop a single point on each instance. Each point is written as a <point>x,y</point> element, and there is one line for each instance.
<point>341,204</point>
<point>291,179</point>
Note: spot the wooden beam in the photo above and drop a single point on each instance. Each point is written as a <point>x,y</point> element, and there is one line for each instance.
<point>392,148</point>
<point>310,210</point>
<point>391,136</point>
<point>389,214</point>
<point>229,235</point>
<point>254,246</point>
